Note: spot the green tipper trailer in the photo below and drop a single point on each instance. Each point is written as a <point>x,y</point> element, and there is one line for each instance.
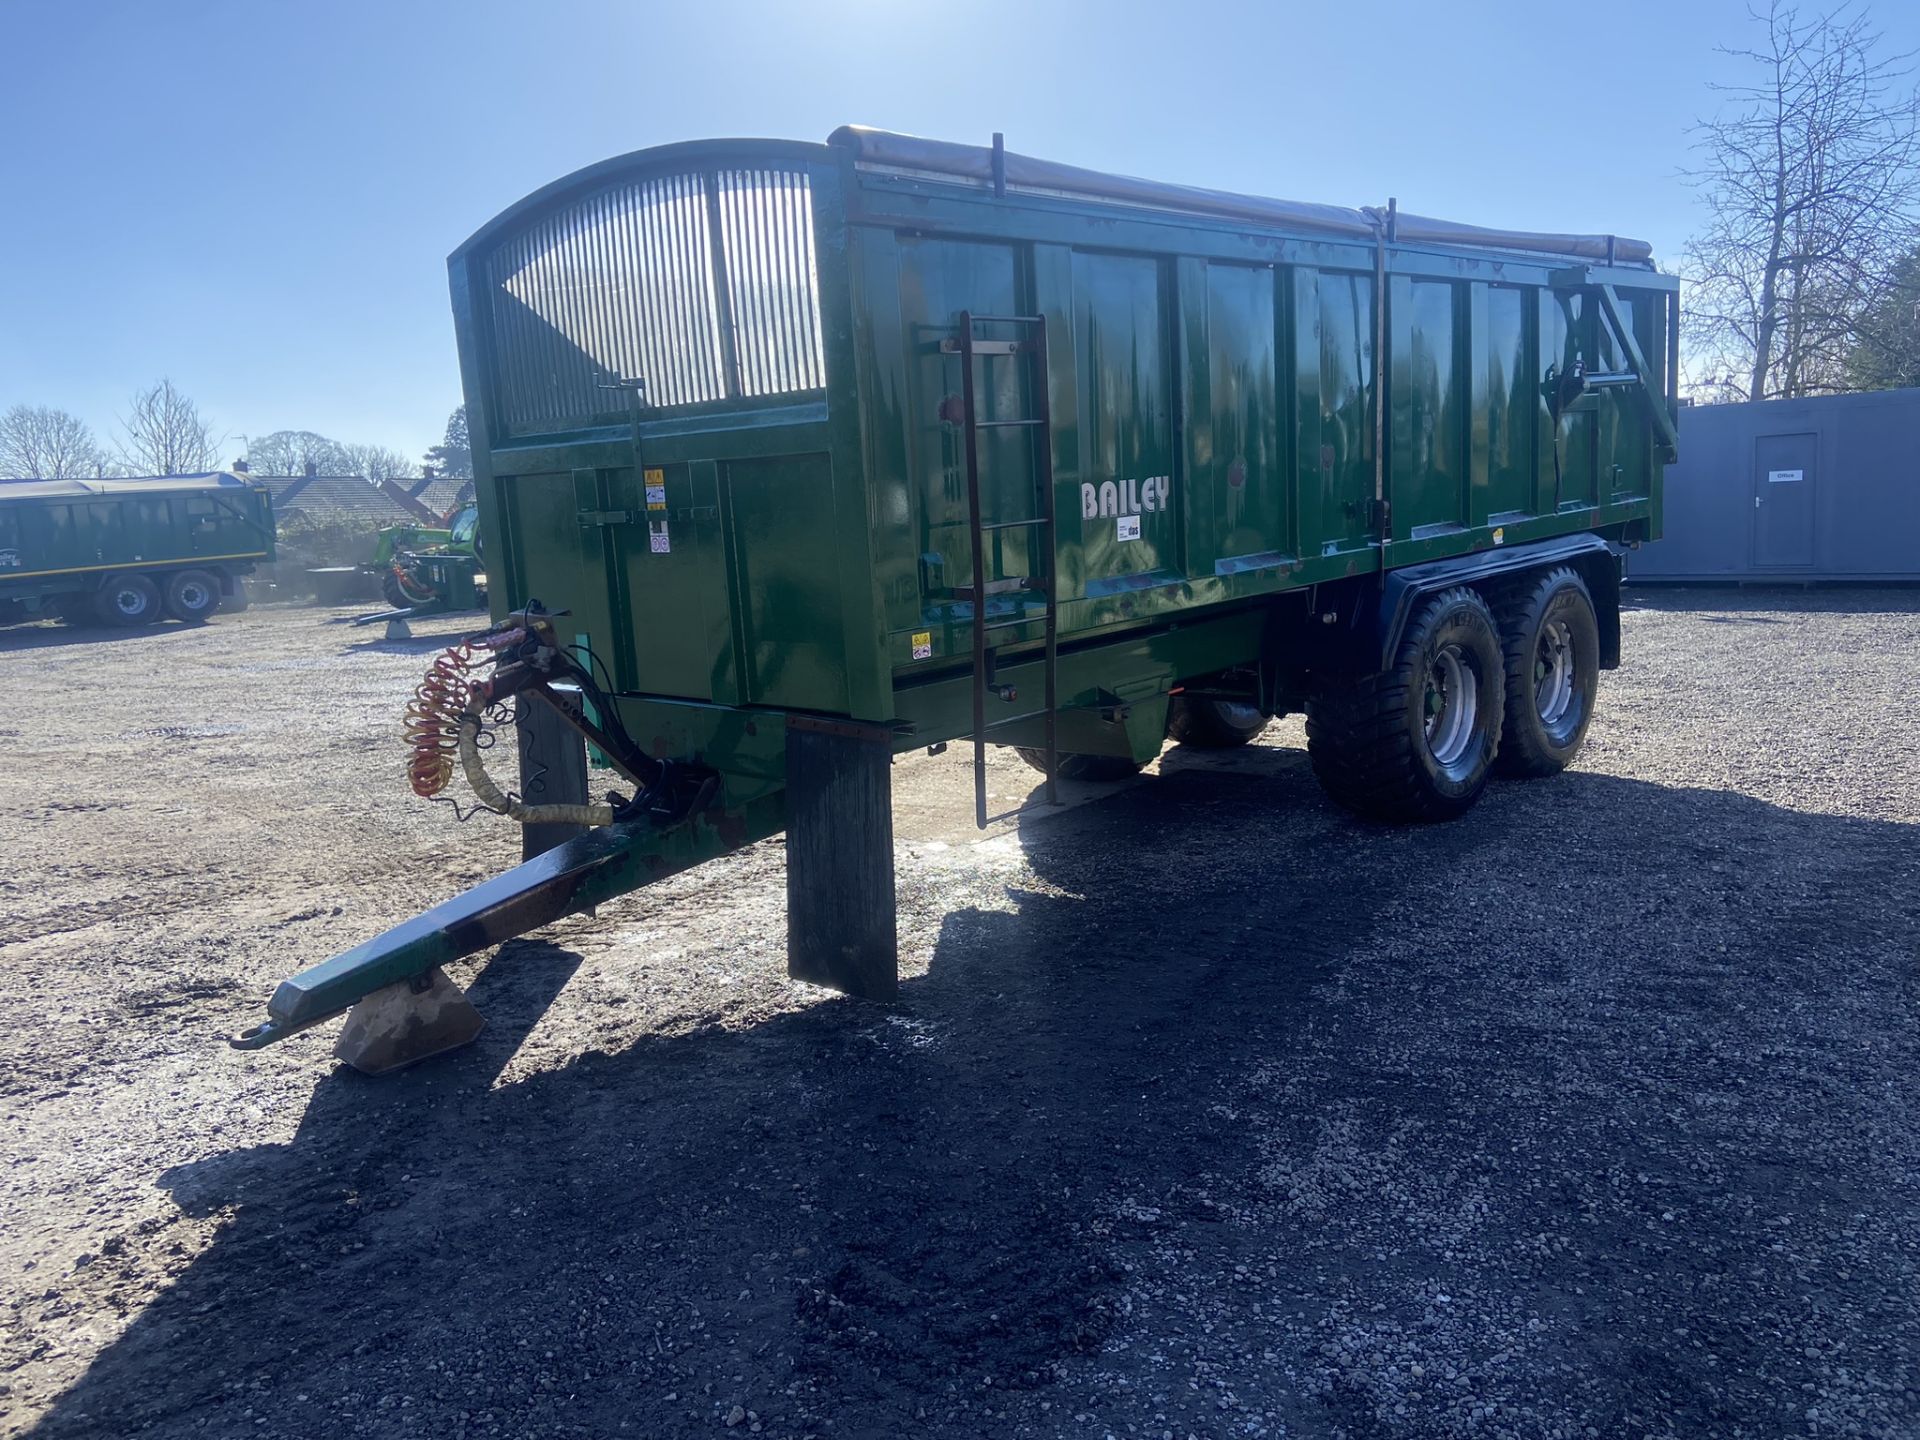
<point>795,457</point>
<point>126,552</point>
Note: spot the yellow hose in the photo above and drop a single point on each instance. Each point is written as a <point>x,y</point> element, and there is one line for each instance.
<point>490,796</point>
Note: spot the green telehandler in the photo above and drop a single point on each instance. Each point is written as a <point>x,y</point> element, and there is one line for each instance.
<point>412,575</point>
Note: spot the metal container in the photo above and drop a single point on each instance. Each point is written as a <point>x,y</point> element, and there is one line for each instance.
<point>1793,492</point>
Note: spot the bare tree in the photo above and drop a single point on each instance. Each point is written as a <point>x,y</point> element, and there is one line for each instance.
<point>165,434</point>
<point>377,462</point>
<point>290,452</point>
<point>1810,176</point>
<point>38,442</point>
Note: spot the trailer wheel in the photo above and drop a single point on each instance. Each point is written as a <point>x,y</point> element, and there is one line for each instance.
<point>1208,723</point>
<point>128,600</point>
<point>192,595</point>
<point>1552,645</point>
<point>1417,741</point>
<point>1082,767</point>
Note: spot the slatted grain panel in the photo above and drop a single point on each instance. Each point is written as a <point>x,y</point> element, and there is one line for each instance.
<point>702,285</point>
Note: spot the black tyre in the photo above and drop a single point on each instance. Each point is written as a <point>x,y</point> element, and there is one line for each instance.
<point>401,591</point>
<point>192,596</point>
<point>128,600</point>
<point>1552,646</point>
<point>1416,742</point>
<point>1208,723</point>
<point>1083,767</point>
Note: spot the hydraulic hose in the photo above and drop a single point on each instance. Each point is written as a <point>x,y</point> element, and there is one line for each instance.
<point>490,794</point>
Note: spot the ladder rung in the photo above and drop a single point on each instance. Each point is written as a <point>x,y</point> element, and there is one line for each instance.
<point>968,344</point>
<point>994,587</point>
<point>987,347</point>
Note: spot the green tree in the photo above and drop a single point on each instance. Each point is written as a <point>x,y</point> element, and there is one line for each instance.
<point>453,455</point>
<point>1886,355</point>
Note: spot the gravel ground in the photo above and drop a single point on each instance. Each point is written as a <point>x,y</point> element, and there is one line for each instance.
<point>1206,1111</point>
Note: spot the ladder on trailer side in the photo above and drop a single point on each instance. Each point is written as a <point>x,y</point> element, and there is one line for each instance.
<point>1030,343</point>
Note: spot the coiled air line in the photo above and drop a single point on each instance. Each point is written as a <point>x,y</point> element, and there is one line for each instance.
<point>447,716</point>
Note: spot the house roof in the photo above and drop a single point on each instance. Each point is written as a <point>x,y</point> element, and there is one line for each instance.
<point>441,493</point>
<point>352,493</point>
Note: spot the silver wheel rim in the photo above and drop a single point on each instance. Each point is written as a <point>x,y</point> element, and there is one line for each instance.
<point>1452,705</point>
<point>1553,673</point>
<point>1241,714</point>
<point>129,602</point>
<point>193,596</point>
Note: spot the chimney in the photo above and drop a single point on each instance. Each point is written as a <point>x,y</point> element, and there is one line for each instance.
<point>312,469</point>
<point>426,472</point>
<point>240,467</point>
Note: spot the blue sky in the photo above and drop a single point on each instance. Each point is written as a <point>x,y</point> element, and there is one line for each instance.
<point>257,199</point>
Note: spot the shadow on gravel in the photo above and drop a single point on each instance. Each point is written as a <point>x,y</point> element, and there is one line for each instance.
<point>1763,600</point>
<point>909,1220</point>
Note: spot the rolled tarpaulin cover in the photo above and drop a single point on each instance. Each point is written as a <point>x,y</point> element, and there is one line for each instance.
<point>975,162</point>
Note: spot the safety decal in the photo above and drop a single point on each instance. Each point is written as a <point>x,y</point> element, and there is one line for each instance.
<point>1127,527</point>
<point>659,538</point>
<point>923,644</point>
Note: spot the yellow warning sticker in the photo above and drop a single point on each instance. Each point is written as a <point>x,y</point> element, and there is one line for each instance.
<point>659,533</point>
<point>1500,536</point>
<point>923,644</point>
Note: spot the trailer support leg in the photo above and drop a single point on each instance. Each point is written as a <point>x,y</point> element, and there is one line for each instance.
<point>840,903</point>
<point>402,1023</point>
<point>553,764</point>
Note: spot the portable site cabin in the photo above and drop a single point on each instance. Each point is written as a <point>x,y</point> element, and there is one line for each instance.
<point>1824,489</point>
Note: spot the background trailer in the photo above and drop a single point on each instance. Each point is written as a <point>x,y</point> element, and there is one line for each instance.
<point>1802,490</point>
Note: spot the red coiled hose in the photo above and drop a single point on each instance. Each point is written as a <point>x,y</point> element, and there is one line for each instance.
<point>432,721</point>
